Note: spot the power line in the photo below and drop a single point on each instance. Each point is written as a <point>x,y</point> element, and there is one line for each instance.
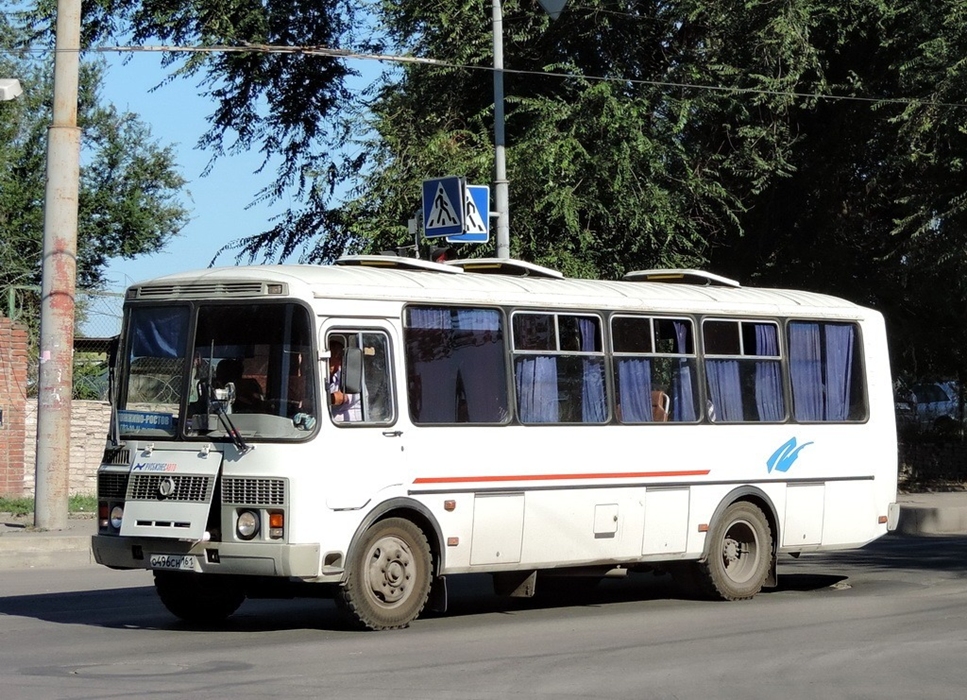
<point>434,62</point>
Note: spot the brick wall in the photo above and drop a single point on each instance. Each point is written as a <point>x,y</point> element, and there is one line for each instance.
<point>13,401</point>
<point>18,433</point>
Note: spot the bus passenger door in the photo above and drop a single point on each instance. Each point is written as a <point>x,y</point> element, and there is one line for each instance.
<point>363,433</point>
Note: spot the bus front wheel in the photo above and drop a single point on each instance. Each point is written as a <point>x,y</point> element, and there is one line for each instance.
<point>739,553</point>
<point>389,578</point>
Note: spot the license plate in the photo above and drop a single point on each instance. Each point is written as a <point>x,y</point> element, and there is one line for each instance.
<point>179,562</point>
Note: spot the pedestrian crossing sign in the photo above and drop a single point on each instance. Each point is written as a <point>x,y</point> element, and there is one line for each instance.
<point>443,207</point>
<point>476,216</point>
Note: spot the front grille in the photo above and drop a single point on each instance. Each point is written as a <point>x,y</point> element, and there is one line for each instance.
<point>116,456</point>
<point>203,289</point>
<point>111,485</point>
<point>145,487</point>
<point>253,492</point>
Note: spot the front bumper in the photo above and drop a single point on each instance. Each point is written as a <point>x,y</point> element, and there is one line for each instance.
<point>248,559</point>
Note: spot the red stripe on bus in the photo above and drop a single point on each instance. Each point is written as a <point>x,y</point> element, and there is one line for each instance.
<point>556,477</point>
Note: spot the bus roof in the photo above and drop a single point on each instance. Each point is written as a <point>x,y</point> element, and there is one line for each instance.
<point>437,283</point>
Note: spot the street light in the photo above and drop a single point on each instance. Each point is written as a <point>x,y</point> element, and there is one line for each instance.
<point>9,89</point>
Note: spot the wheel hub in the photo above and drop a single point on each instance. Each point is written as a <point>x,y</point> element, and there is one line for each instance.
<point>389,570</point>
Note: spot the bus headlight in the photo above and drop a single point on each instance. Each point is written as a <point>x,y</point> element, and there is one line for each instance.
<point>247,525</point>
<point>117,515</point>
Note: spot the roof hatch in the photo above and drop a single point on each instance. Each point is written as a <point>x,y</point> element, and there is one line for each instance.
<point>505,266</point>
<point>699,277</point>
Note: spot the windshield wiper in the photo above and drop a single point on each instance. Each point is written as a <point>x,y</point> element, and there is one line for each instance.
<point>230,428</point>
<point>214,403</point>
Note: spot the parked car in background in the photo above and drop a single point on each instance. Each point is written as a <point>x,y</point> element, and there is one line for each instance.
<point>930,405</point>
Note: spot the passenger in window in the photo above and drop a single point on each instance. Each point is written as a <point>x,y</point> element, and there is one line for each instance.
<point>344,407</point>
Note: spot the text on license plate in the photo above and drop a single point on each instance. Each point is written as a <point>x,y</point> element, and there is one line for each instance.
<point>181,562</point>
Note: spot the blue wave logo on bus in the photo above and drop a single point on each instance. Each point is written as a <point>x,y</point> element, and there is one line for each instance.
<point>782,459</point>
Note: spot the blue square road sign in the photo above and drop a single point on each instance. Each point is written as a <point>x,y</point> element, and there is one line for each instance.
<point>443,207</point>
<point>476,216</point>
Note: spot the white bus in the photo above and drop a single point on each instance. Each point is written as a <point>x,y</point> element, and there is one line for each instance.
<point>365,430</point>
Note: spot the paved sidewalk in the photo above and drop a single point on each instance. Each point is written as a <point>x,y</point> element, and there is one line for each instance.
<point>24,547</point>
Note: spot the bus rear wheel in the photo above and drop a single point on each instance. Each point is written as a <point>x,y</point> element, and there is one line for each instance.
<point>196,598</point>
<point>739,553</point>
<point>389,579</point>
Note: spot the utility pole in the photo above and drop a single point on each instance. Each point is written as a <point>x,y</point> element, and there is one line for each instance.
<point>55,377</point>
<point>501,194</point>
<point>501,189</point>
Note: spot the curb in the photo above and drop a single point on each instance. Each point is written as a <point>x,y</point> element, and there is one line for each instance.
<point>23,547</point>
<point>40,551</point>
<point>925,521</point>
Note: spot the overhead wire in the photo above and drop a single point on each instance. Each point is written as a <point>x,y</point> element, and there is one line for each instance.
<point>404,59</point>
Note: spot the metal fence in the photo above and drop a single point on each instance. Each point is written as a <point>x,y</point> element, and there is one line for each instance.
<point>97,322</point>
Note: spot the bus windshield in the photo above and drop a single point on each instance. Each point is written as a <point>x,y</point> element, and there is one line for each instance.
<point>187,367</point>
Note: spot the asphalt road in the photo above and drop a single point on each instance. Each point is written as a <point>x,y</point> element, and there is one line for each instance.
<point>886,621</point>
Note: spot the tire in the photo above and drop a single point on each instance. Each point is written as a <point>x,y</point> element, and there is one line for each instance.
<point>389,577</point>
<point>739,553</point>
<point>196,598</point>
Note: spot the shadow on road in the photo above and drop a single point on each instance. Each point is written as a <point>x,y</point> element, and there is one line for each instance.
<point>946,553</point>
<point>139,607</point>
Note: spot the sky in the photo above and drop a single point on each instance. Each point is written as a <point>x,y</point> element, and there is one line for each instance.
<point>217,202</point>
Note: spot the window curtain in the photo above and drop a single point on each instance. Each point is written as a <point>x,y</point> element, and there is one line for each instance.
<point>839,366</point>
<point>725,390</point>
<point>592,397</point>
<point>683,390</point>
<point>768,378</point>
<point>159,333</point>
<point>634,390</point>
<point>432,377</point>
<point>536,380</point>
<point>480,365</point>
<point>806,371</point>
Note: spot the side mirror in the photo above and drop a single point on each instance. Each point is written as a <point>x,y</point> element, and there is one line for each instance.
<point>352,371</point>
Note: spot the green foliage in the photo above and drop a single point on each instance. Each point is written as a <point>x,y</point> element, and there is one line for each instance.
<point>288,106</point>
<point>127,202</point>
<point>129,188</point>
<point>681,133</point>
<point>78,503</point>
<point>617,167</point>
<point>129,185</point>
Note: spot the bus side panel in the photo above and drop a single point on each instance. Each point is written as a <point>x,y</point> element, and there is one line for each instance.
<point>851,513</point>
<point>583,525</point>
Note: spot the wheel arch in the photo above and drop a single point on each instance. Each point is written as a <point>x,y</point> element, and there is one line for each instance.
<point>411,510</point>
<point>760,499</point>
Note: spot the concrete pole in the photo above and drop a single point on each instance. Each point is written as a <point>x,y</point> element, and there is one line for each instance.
<point>55,378</point>
<point>501,196</point>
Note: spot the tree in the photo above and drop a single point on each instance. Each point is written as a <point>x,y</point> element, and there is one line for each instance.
<point>874,209</point>
<point>129,186</point>
<point>290,106</point>
<point>811,143</point>
<point>617,160</point>
<point>129,191</point>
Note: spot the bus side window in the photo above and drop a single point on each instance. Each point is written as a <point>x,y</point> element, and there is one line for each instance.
<point>376,379</point>
<point>359,378</point>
